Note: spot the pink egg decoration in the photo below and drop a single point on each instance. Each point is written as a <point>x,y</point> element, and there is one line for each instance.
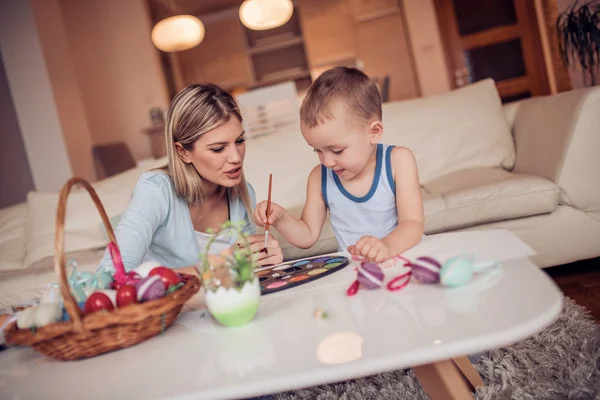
<point>150,288</point>
<point>426,270</point>
<point>370,275</point>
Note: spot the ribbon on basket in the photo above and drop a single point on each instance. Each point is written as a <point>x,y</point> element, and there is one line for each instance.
<point>121,276</point>
<point>81,283</point>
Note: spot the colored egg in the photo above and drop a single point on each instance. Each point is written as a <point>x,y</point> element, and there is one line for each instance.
<point>456,271</point>
<point>97,301</point>
<point>126,295</point>
<point>143,270</point>
<point>370,275</point>
<point>150,288</point>
<point>112,295</point>
<point>65,314</point>
<point>167,276</point>
<point>426,270</point>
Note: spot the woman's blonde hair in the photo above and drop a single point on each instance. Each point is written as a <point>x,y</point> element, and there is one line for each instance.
<point>194,111</point>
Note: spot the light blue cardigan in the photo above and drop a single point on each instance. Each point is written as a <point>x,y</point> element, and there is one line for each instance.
<point>157,225</point>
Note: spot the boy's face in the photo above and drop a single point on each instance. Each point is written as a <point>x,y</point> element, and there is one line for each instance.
<point>343,144</point>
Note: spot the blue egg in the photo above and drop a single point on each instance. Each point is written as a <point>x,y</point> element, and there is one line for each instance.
<point>65,315</point>
<point>456,271</point>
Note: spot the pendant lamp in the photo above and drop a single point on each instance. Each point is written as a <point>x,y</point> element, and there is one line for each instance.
<point>261,15</point>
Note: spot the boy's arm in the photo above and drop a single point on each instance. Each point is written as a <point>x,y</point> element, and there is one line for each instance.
<point>408,202</point>
<point>305,232</point>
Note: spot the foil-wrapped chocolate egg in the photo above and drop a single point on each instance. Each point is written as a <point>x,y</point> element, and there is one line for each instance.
<point>426,270</point>
<point>150,288</point>
<point>370,275</point>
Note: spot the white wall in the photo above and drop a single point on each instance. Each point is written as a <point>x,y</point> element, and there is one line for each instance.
<point>118,69</point>
<point>32,96</point>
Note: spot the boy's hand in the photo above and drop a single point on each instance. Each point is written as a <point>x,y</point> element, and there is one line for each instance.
<point>370,248</point>
<point>260,213</point>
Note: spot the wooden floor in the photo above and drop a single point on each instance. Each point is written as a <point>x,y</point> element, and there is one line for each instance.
<point>581,282</point>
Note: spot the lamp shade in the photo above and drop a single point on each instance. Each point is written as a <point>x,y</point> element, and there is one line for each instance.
<point>261,15</point>
<point>178,33</point>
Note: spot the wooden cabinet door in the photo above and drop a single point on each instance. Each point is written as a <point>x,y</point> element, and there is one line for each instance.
<point>369,9</point>
<point>328,30</point>
<point>496,39</point>
<point>218,60</point>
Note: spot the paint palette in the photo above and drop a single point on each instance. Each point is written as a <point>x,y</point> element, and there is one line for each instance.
<point>288,275</point>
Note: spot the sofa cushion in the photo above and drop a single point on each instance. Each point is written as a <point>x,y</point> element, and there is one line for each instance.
<point>476,196</point>
<point>462,129</point>
<point>13,236</point>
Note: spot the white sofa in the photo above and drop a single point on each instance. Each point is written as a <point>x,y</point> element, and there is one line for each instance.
<point>530,167</point>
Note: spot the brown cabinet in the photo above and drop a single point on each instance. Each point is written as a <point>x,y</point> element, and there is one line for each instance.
<point>383,47</point>
<point>222,57</point>
<point>329,32</point>
<point>368,34</point>
<point>369,9</point>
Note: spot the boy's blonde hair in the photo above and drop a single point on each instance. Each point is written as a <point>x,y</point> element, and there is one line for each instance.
<point>352,87</point>
<point>194,111</point>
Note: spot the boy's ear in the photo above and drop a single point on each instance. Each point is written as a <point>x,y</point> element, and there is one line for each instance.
<point>182,153</point>
<point>375,131</point>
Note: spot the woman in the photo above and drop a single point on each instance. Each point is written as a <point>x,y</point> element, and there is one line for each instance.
<point>203,186</point>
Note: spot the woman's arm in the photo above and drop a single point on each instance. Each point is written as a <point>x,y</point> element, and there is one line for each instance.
<point>147,210</point>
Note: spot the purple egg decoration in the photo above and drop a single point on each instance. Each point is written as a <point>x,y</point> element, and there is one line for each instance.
<point>370,275</point>
<point>426,270</point>
<point>150,288</point>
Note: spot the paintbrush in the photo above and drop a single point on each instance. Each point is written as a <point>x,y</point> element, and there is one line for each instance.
<point>268,213</point>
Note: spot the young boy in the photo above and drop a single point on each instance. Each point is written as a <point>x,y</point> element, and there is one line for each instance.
<point>371,190</point>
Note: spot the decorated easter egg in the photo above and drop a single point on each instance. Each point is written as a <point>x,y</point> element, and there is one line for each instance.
<point>112,295</point>
<point>456,271</point>
<point>65,314</point>
<point>126,295</point>
<point>150,288</point>
<point>97,301</point>
<point>143,270</point>
<point>167,275</point>
<point>426,270</point>
<point>370,275</point>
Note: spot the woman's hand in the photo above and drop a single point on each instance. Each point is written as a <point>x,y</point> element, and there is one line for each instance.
<point>260,213</point>
<point>273,254</point>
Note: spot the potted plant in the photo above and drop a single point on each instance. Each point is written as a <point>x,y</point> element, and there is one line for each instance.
<point>232,291</point>
<point>578,29</point>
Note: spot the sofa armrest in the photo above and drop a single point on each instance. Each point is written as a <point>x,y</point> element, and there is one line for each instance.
<point>558,137</point>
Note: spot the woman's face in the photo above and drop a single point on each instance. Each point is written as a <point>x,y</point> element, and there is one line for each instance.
<point>218,155</point>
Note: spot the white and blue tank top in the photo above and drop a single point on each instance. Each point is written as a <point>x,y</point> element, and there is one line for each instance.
<point>374,214</point>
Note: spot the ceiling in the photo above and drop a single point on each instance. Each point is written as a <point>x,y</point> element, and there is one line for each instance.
<point>166,8</point>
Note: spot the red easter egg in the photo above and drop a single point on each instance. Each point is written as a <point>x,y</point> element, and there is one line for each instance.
<point>167,275</point>
<point>126,295</point>
<point>96,302</point>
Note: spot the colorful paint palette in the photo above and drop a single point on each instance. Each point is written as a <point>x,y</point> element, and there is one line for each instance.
<point>288,275</point>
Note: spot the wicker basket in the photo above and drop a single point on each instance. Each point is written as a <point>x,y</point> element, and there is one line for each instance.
<point>88,335</point>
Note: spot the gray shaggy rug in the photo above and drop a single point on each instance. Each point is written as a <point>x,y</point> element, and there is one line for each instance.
<point>561,362</point>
